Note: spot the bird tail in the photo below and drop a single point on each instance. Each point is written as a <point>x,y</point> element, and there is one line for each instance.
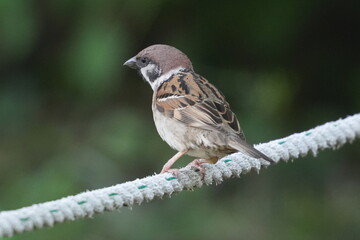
<point>249,150</point>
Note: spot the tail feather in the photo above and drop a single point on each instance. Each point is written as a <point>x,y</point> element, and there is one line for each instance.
<point>248,149</point>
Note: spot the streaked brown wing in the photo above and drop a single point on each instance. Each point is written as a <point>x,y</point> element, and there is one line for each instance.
<point>191,99</point>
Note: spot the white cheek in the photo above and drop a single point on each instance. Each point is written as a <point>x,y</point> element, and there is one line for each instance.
<point>145,70</point>
<point>154,85</point>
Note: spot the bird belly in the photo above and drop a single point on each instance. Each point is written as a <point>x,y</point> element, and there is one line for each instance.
<point>170,130</point>
<point>199,142</point>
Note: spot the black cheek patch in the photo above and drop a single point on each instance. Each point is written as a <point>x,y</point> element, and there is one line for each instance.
<point>152,75</point>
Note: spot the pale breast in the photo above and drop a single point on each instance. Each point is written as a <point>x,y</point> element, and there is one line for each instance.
<point>199,143</point>
<point>170,130</point>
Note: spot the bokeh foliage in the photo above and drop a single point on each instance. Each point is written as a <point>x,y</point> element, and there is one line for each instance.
<point>73,118</point>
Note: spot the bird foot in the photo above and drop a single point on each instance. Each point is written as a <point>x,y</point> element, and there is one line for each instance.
<point>173,171</point>
<point>197,163</point>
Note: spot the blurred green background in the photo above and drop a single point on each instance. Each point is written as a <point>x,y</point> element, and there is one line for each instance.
<point>73,118</point>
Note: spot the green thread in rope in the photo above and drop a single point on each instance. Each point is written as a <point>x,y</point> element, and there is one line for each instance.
<point>34,216</point>
<point>113,194</point>
<point>24,219</point>
<point>227,160</point>
<point>170,178</point>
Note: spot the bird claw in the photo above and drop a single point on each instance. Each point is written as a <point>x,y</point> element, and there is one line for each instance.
<point>197,164</point>
<point>173,171</point>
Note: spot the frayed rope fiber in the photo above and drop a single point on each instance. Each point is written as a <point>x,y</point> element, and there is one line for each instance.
<point>86,204</point>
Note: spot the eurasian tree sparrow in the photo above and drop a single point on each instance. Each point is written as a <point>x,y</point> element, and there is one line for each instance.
<point>190,113</point>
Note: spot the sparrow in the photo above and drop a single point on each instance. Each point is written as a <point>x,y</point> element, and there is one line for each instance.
<point>189,112</point>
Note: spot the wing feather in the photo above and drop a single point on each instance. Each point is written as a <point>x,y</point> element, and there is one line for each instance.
<point>191,99</point>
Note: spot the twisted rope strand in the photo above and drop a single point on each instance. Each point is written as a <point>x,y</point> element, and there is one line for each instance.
<point>330,135</point>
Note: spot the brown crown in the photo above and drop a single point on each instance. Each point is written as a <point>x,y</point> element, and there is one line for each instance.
<point>167,57</point>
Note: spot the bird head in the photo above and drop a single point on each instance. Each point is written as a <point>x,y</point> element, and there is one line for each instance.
<point>158,62</point>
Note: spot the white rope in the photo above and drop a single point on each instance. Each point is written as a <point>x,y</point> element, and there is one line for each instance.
<point>330,135</point>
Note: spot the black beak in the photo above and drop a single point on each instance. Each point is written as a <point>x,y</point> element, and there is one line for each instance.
<point>131,63</point>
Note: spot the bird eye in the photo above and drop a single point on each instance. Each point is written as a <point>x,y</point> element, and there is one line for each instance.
<point>143,61</point>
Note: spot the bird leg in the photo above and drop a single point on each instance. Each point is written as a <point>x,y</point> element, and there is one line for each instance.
<point>198,162</point>
<point>171,161</point>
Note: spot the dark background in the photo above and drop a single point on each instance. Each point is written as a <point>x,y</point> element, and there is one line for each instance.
<point>73,118</point>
